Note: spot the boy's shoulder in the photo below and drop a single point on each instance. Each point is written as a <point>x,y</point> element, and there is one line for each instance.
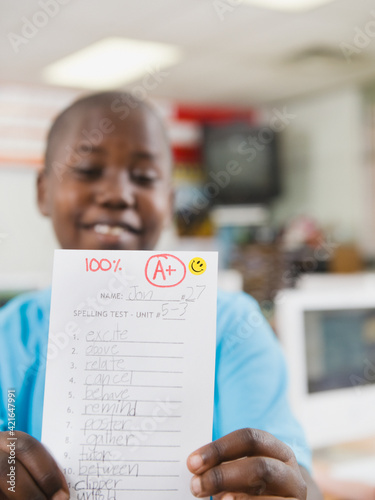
<point>227,297</point>
<point>238,303</point>
<point>26,311</point>
<point>238,310</point>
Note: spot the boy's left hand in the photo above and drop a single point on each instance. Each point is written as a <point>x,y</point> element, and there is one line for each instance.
<point>246,464</point>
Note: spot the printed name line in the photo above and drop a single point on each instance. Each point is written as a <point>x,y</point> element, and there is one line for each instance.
<point>153,300</point>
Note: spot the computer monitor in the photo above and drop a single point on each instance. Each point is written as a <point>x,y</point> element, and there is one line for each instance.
<point>329,340</point>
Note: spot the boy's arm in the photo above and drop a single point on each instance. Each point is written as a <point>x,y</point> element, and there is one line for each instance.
<point>28,470</point>
<point>249,463</point>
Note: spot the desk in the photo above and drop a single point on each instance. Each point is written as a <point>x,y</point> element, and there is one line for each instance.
<point>346,471</point>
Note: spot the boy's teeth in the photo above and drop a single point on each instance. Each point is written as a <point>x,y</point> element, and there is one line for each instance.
<point>105,229</point>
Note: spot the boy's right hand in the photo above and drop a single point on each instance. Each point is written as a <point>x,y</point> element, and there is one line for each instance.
<point>37,474</point>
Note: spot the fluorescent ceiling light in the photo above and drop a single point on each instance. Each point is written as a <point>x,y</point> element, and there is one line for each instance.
<point>110,63</point>
<point>290,5</point>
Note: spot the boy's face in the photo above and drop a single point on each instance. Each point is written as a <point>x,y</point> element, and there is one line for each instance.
<point>112,191</point>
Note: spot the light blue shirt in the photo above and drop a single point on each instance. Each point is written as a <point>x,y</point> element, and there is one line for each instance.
<point>250,379</point>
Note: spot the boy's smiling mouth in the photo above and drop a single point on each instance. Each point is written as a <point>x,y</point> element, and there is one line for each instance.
<point>112,232</point>
<point>105,226</point>
<point>115,230</point>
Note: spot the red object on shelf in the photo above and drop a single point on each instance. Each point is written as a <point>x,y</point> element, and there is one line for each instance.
<point>213,114</point>
<point>187,154</point>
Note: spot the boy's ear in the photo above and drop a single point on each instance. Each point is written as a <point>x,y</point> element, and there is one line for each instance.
<point>42,198</point>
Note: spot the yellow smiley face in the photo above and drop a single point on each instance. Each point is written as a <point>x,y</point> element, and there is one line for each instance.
<point>197,265</point>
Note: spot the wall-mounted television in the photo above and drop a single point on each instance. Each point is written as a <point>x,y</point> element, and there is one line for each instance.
<point>249,156</point>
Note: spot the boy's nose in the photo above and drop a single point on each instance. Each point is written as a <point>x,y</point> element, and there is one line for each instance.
<point>116,191</point>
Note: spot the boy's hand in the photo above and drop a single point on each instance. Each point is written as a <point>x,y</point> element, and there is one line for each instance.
<point>37,474</point>
<point>246,464</point>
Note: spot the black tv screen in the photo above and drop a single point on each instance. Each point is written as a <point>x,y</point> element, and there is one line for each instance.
<point>243,161</point>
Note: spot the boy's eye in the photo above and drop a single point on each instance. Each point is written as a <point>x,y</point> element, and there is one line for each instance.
<point>144,177</point>
<point>89,172</point>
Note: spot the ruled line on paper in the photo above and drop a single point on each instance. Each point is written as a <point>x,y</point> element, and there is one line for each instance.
<point>174,319</point>
<point>145,401</point>
<point>130,460</point>
<point>134,342</point>
<point>134,371</point>
<point>130,430</point>
<point>139,475</point>
<point>132,356</point>
<point>132,416</point>
<point>138,445</point>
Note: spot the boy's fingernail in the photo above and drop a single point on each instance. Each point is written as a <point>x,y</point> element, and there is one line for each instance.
<point>61,495</point>
<point>196,461</point>
<point>195,486</point>
<point>228,496</point>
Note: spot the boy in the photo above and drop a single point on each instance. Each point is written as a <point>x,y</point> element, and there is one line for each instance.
<point>114,191</point>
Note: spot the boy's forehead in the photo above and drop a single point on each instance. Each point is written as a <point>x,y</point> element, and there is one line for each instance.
<point>140,122</point>
<point>98,124</point>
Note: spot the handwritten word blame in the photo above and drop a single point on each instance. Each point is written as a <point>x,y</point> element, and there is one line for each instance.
<point>165,270</point>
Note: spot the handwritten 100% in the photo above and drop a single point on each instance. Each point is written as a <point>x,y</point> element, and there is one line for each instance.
<point>95,265</point>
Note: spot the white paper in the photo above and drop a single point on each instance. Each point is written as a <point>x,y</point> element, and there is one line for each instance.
<point>130,370</point>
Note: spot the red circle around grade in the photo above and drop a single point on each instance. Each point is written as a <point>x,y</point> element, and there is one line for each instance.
<point>165,255</point>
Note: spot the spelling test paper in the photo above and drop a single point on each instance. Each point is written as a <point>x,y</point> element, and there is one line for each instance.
<point>130,370</point>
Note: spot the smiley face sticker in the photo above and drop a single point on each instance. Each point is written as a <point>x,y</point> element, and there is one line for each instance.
<point>197,265</point>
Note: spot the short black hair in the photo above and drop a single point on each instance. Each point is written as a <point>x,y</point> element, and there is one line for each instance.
<point>101,99</point>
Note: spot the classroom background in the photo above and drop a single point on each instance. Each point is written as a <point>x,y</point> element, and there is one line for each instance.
<point>270,109</point>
